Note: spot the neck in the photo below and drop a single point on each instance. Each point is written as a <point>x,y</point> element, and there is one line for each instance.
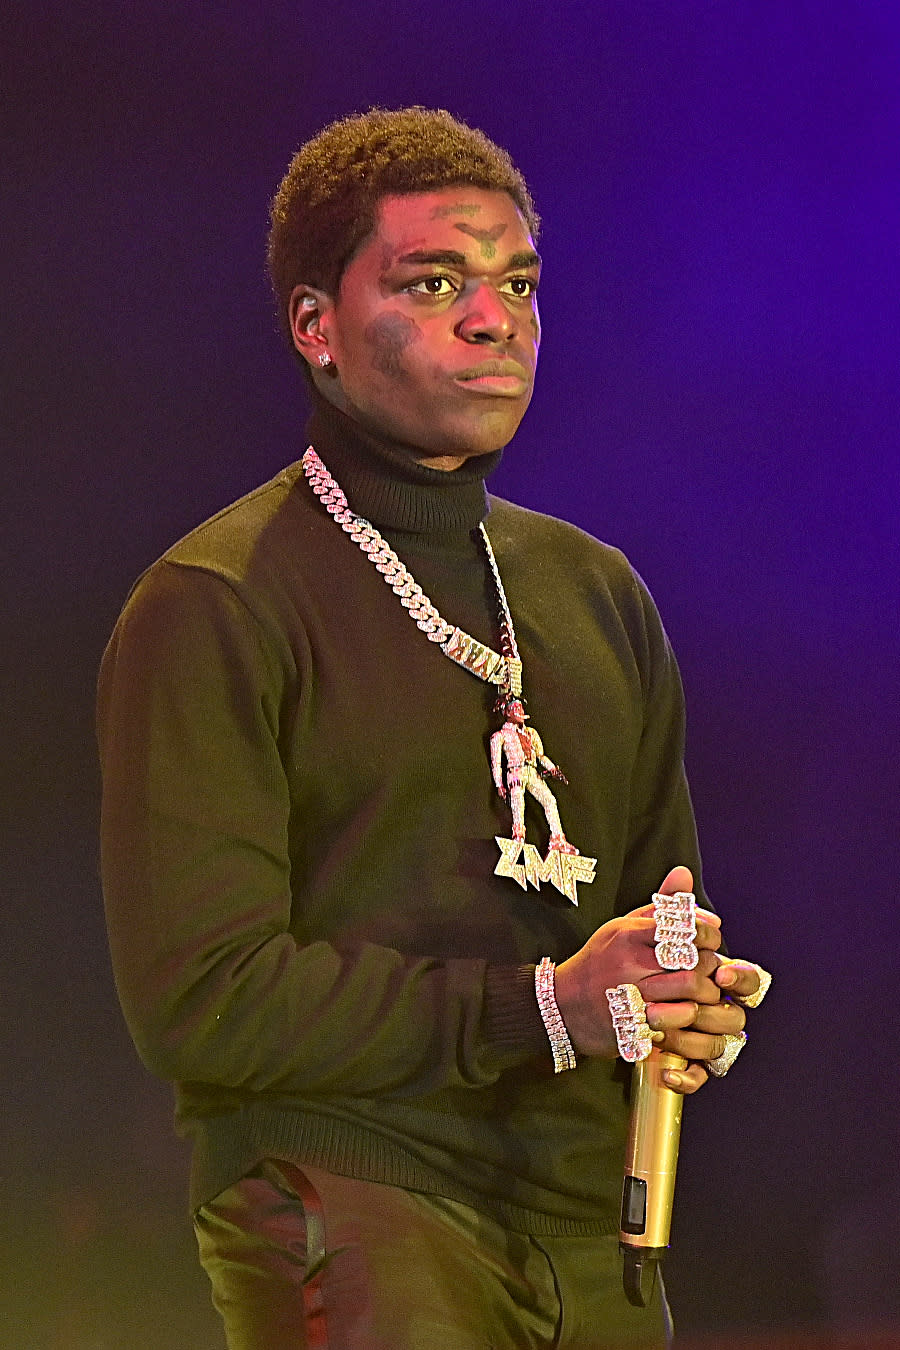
<point>397,486</point>
<point>336,398</point>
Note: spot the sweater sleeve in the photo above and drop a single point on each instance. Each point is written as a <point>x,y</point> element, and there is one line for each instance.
<point>661,833</point>
<point>215,988</point>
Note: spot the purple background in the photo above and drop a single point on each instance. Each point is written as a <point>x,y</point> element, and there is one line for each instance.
<point>717,395</point>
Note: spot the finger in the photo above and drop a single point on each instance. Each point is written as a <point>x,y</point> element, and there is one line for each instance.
<point>691,1044</point>
<point>720,1019</point>
<point>679,879</point>
<point>740,978</point>
<point>686,1080</point>
<point>669,986</point>
<point>669,1016</point>
<point>709,935</point>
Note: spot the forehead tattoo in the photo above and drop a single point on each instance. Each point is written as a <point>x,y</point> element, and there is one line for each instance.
<point>486,238</point>
<point>459,209</point>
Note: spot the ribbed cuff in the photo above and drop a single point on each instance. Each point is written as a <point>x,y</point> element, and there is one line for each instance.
<point>511,1024</point>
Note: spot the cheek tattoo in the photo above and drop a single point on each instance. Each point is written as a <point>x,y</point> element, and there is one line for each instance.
<point>389,337</point>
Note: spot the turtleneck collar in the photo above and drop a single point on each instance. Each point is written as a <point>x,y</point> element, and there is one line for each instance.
<point>384,483</point>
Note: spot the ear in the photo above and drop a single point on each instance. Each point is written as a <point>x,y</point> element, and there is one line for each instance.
<point>308,310</point>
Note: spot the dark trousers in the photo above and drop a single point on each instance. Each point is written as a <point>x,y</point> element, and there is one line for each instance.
<point>303,1258</point>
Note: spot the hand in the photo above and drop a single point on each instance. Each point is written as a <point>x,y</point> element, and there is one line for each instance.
<point>680,1003</point>
<point>701,1038</point>
<point>501,792</point>
<point>556,772</point>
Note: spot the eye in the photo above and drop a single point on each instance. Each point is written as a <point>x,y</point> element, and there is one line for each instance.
<point>437,285</point>
<point>523,288</point>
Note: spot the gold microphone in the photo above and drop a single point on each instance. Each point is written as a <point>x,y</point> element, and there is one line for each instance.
<point>651,1162</point>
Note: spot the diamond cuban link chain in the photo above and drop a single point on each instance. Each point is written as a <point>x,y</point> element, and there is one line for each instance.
<point>504,670</point>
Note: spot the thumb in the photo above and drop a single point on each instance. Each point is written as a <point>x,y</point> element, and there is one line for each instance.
<point>679,879</point>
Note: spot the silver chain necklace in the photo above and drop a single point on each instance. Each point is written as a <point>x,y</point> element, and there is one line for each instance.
<point>515,746</point>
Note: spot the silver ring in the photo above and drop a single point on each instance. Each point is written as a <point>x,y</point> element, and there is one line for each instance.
<point>676,929</point>
<point>628,1011</point>
<point>754,1000</point>
<point>734,1044</point>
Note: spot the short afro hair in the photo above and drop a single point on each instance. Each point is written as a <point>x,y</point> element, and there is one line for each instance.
<point>327,202</point>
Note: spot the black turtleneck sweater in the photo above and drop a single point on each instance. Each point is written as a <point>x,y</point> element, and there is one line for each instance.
<point>298,835</point>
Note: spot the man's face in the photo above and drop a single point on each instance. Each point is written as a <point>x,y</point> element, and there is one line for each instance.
<point>435,329</point>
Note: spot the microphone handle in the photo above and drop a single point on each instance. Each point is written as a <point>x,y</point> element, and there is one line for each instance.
<point>651,1163</point>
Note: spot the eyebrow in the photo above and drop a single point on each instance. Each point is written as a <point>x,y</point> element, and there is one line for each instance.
<point>449,257</point>
<point>527,258</point>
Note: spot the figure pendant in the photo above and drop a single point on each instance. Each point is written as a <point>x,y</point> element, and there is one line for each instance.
<point>519,765</point>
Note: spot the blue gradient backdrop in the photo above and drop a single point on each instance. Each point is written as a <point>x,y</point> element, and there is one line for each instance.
<point>718,396</point>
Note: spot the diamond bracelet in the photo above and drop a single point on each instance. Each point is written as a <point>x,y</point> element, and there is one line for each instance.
<point>545,990</point>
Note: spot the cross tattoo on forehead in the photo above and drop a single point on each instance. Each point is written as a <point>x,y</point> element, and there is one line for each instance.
<point>486,238</point>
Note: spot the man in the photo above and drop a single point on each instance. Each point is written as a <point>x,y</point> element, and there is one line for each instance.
<point>312,932</point>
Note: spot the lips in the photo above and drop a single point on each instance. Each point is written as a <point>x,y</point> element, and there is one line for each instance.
<point>505,378</point>
<point>505,368</point>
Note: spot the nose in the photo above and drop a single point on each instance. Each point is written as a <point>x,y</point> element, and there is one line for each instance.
<point>487,318</point>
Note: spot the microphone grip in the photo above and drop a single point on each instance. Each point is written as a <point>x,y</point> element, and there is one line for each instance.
<point>651,1163</point>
